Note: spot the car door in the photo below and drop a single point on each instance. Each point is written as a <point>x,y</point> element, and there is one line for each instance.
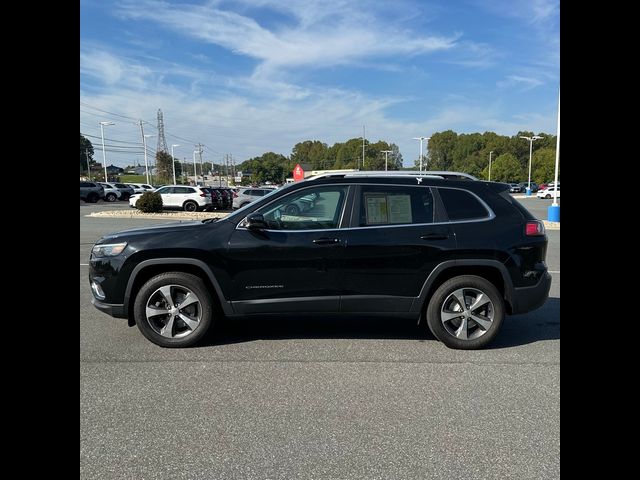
<point>294,264</point>
<point>396,238</point>
<point>166,194</point>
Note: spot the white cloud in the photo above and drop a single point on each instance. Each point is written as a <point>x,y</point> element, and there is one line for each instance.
<point>527,83</point>
<point>313,41</point>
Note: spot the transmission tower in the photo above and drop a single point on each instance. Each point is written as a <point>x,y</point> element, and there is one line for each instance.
<point>162,142</point>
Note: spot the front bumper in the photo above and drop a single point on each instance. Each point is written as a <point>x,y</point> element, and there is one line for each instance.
<point>115,310</point>
<point>526,299</point>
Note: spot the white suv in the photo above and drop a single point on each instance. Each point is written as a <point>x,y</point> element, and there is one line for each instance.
<point>190,199</point>
<point>548,192</point>
<point>247,195</point>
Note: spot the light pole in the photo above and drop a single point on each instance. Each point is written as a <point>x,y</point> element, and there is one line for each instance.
<point>144,145</point>
<point>490,164</point>
<point>195,172</point>
<point>386,153</point>
<point>531,140</point>
<point>173,162</point>
<point>86,153</point>
<point>553,212</point>
<point>104,154</point>
<point>421,139</point>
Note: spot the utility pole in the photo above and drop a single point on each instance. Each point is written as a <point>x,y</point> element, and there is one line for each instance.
<point>195,170</point>
<point>86,152</point>
<point>144,145</point>
<point>201,166</point>
<point>490,153</point>
<point>363,135</point>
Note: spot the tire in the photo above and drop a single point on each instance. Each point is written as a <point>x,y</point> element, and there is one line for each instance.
<point>93,197</point>
<point>181,333</point>
<point>292,209</point>
<point>547,196</point>
<point>244,204</point>
<point>111,197</point>
<point>444,304</point>
<point>190,206</point>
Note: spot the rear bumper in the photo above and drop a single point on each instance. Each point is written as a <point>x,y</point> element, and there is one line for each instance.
<point>115,310</point>
<point>526,299</point>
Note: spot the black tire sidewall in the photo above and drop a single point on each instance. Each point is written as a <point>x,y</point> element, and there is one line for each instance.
<point>186,206</point>
<point>174,278</point>
<point>111,197</point>
<point>441,294</point>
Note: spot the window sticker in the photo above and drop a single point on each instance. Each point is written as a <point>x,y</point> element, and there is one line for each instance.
<point>399,208</point>
<point>376,206</point>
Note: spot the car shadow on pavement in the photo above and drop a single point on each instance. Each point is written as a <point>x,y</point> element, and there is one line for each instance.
<point>541,324</point>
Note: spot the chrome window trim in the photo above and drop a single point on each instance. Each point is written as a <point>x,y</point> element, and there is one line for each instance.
<point>491,215</point>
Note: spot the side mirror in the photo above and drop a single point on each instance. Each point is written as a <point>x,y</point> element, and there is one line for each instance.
<point>255,221</point>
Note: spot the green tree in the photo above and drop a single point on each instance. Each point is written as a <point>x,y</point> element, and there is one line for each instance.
<point>310,152</point>
<point>543,165</point>
<point>269,167</point>
<point>440,154</point>
<point>85,148</point>
<point>505,168</point>
<point>164,169</point>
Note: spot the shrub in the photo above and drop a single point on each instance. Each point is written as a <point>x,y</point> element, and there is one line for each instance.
<point>150,202</point>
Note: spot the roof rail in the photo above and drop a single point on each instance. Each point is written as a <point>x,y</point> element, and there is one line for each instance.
<point>440,174</point>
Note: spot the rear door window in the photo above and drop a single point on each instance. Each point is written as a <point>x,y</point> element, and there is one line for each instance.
<point>395,205</point>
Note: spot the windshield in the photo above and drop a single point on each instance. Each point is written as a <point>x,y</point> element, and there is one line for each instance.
<point>240,213</point>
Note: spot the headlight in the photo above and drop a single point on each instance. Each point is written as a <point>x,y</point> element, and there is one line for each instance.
<point>108,249</point>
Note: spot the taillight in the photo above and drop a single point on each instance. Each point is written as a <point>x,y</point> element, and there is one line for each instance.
<point>534,229</point>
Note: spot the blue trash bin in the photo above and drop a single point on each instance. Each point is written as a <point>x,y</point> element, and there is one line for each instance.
<point>553,213</point>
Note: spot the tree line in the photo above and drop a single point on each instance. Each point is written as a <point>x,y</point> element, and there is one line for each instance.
<point>448,150</point>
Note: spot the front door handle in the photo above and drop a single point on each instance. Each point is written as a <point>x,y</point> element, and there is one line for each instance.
<point>434,236</point>
<point>326,241</point>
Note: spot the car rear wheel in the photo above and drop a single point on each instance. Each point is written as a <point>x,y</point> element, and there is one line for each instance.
<point>547,196</point>
<point>190,206</point>
<point>465,312</point>
<point>111,197</point>
<point>174,309</point>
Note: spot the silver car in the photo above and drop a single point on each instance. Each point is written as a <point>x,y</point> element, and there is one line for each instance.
<point>247,195</point>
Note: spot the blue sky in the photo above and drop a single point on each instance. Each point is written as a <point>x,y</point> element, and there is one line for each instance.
<point>249,76</point>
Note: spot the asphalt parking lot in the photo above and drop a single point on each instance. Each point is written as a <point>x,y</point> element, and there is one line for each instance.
<point>340,398</point>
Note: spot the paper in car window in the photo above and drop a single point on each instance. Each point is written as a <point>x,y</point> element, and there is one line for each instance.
<point>399,208</point>
<point>376,208</point>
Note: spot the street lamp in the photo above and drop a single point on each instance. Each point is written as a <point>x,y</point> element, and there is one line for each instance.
<point>421,139</point>
<point>173,162</point>
<point>386,152</point>
<point>490,164</point>
<point>104,154</point>
<point>144,145</point>
<point>531,140</point>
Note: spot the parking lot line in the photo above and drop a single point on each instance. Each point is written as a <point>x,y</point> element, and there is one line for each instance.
<point>84,264</point>
<point>554,271</point>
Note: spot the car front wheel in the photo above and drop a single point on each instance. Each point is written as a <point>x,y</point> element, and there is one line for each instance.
<point>174,309</point>
<point>465,312</point>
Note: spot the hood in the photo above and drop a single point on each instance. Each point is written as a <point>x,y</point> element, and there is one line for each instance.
<point>189,226</point>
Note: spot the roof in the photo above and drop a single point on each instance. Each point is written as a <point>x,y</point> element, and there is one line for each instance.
<point>440,174</point>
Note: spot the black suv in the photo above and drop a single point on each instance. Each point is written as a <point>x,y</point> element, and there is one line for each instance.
<point>457,254</point>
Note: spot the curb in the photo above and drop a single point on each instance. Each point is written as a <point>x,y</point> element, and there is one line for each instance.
<point>551,225</point>
<point>168,215</point>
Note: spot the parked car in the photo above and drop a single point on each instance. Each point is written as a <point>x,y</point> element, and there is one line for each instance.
<point>190,199</point>
<point>125,190</point>
<point>457,255</point>
<point>111,193</point>
<point>515,188</point>
<point>524,185</point>
<point>91,192</point>
<point>548,192</point>
<point>226,196</point>
<point>141,187</point>
<point>247,195</point>
<point>216,198</point>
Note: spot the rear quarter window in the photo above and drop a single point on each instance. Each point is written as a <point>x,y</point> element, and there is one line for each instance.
<point>462,205</point>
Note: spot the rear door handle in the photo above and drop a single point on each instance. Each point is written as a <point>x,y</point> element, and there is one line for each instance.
<point>326,241</point>
<point>434,236</point>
